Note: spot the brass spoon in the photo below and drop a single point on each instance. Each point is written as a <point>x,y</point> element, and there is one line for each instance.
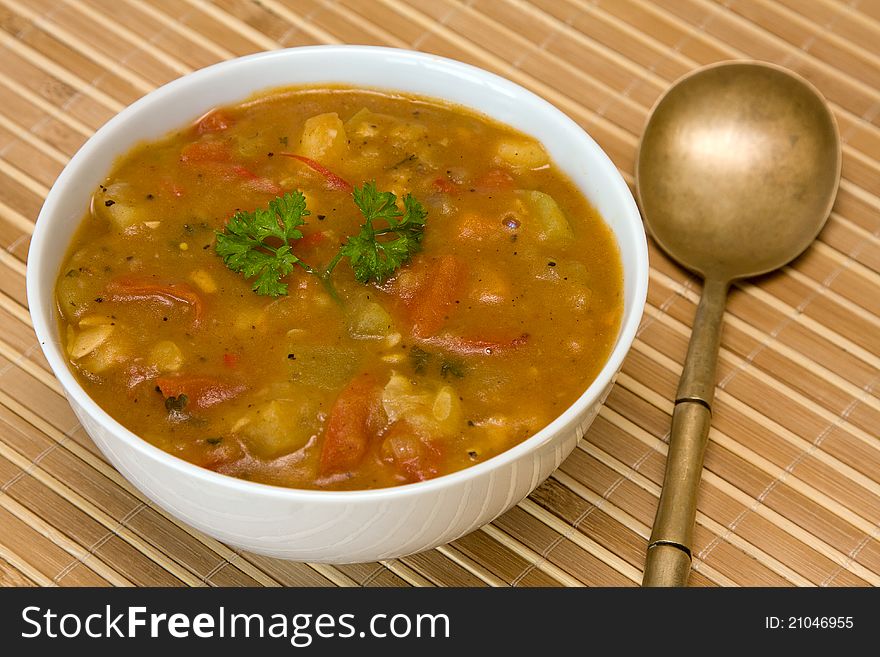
<point>736,174</point>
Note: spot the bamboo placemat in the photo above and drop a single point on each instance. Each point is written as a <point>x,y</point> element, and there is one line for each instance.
<point>791,491</point>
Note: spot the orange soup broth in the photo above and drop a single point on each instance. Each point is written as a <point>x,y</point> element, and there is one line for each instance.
<point>495,327</point>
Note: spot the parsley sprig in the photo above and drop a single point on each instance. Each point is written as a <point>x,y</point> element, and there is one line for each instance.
<point>370,257</point>
<point>374,257</point>
<point>244,248</point>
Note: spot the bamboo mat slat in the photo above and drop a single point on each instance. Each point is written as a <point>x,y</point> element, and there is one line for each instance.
<point>791,490</point>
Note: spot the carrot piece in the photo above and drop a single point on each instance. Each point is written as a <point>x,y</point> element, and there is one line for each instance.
<point>206,151</point>
<point>201,391</point>
<point>333,181</point>
<point>348,432</point>
<point>214,121</point>
<point>132,289</point>
<point>472,226</point>
<point>430,305</point>
<point>469,346</point>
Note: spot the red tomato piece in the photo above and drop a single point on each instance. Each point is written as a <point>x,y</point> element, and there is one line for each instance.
<point>414,456</point>
<point>206,151</point>
<point>214,121</point>
<point>133,289</point>
<point>255,182</point>
<point>435,297</point>
<point>201,391</point>
<point>348,428</point>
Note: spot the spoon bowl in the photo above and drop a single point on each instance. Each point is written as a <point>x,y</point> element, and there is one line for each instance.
<point>736,173</point>
<point>737,169</point>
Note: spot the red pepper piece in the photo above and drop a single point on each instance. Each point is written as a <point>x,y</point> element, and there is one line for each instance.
<point>468,346</point>
<point>333,181</point>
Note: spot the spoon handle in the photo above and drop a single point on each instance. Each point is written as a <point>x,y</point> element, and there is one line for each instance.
<point>668,559</point>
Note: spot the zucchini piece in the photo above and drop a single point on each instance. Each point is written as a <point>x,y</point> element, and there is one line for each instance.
<point>323,366</point>
<point>552,226</point>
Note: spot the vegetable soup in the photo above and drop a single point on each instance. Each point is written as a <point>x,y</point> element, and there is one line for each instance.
<point>338,288</point>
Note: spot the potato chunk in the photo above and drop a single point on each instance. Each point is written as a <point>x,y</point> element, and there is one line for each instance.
<point>279,427</point>
<point>323,138</point>
<point>92,347</point>
<point>166,356</point>
<point>119,204</point>
<point>436,410</point>
<point>84,342</point>
<point>521,153</point>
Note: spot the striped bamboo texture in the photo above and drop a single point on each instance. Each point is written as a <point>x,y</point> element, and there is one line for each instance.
<point>791,490</point>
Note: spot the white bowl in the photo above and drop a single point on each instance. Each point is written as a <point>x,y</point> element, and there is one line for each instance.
<point>331,526</point>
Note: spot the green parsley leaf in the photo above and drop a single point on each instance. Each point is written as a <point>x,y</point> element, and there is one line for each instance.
<point>377,259</point>
<point>244,248</point>
<point>258,244</point>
